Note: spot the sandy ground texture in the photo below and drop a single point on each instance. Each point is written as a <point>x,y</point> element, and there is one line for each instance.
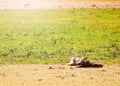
<point>58,75</point>
<point>49,4</point>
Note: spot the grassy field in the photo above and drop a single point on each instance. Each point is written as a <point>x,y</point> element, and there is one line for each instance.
<point>55,35</point>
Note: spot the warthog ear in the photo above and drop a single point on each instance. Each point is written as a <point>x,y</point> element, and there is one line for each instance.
<point>84,58</point>
<point>72,61</point>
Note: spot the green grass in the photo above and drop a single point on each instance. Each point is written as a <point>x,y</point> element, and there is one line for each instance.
<point>55,35</point>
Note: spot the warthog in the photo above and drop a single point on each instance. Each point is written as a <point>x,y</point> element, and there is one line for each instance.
<point>83,62</point>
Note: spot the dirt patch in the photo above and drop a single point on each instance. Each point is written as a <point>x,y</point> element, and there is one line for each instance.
<point>58,75</point>
<point>51,5</point>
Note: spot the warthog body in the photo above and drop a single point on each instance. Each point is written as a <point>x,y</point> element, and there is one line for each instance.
<point>83,62</point>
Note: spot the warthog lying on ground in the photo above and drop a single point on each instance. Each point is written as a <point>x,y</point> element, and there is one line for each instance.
<point>83,62</point>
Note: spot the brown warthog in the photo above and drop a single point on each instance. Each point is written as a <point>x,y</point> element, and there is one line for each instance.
<point>83,62</point>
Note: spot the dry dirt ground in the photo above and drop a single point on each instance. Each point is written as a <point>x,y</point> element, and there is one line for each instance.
<point>40,4</point>
<point>58,75</point>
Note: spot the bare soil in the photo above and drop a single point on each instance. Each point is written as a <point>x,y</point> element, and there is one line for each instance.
<point>58,75</point>
<point>26,4</point>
